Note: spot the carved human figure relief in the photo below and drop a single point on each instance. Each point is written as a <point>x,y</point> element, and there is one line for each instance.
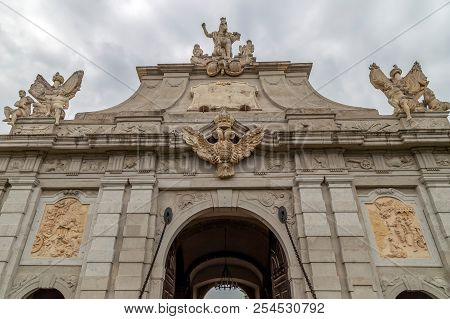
<point>61,229</point>
<point>398,233</point>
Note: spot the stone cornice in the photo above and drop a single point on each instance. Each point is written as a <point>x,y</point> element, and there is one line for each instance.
<point>275,140</point>
<point>190,69</point>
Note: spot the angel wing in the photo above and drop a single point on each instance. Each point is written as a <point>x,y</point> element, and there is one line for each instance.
<point>415,81</point>
<point>247,144</point>
<point>200,145</point>
<point>38,88</point>
<point>378,79</point>
<point>73,84</point>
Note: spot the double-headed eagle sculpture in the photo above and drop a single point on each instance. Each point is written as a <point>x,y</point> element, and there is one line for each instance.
<point>225,152</point>
<point>403,93</point>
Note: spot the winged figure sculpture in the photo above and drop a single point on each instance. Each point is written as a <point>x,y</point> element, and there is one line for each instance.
<point>225,152</point>
<point>52,100</point>
<point>403,93</point>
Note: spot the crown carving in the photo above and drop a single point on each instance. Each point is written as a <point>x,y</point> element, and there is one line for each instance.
<point>224,120</point>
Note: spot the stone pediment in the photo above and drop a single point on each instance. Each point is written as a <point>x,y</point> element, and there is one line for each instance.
<point>266,87</point>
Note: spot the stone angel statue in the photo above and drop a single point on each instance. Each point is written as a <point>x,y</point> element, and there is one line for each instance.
<point>52,100</point>
<point>224,153</point>
<point>403,93</point>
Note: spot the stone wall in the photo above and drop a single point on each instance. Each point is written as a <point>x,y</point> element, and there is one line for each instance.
<point>326,192</point>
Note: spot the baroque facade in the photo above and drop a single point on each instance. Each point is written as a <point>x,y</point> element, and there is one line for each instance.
<point>226,162</point>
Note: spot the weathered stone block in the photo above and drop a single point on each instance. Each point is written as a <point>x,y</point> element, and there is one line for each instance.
<point>126,294</point>
<point>359,270</point>
<point>93,295</point>
<point>364,292</point>
<point>354,249</point>
<point>445,219</point>
<point>343,200</point>
<point>111,202</point>
<point>347,224</point>
<point>133,250</point>
<point>9,224</point>
<point>102,249</point>
<point>140,201</point>
<point>320,249</point>
<point>316,224</point>
<point>96,276</point>
<point>136,225</point>
<point>17,201</point>
<point>328,294</point>
<point>106,225</point>
<point>129,276</point>
<point>5,247</point>
<point>326,283</point>
<point>311,200</point>
<point>441,198</point>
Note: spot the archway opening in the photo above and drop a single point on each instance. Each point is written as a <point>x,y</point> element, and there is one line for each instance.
<point>234,293</point>
<point>231,243</point>
<point>45,294</point>
<point>413,294</point>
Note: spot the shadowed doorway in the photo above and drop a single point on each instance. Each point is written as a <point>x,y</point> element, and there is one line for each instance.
<point>229,256</point>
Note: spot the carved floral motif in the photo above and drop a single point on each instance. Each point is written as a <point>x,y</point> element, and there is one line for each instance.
<point>61,229</point>
<point>397,231</point>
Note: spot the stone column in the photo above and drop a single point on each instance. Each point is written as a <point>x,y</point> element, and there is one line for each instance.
<point>138,218</point>
<point>352,241</point>
<point>438,190</point>
<point>96,270</point>
<point>317,233</point>
<point>13,217</point>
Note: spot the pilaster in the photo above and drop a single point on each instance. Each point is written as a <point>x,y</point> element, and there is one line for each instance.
<point>317,233</point>
<point>352,242</point>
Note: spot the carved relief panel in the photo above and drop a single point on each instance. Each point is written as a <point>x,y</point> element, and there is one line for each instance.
<point>397,229</point>
<point>61,229</point>
<point>398,233</point>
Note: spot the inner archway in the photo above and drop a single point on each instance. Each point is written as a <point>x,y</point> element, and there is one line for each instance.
<point>251,254</point>
<point>413,294</point>
<point>45,294</point>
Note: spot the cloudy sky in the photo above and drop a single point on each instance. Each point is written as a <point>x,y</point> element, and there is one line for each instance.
<point>108,39</point>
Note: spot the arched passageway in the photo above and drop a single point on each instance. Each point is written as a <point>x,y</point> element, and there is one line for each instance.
<point>45,294</point>
<point>413,294</point>
<point>213,249</point>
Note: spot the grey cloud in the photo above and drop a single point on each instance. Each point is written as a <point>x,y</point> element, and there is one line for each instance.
<point>119,35</point>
